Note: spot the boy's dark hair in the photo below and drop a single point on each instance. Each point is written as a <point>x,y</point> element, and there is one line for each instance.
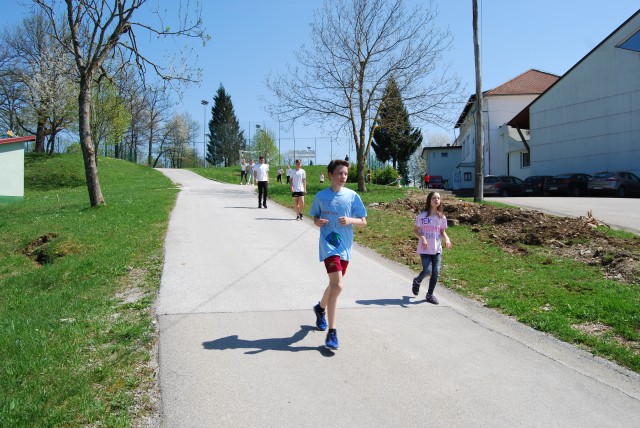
<point>261,157</point>
<point>336,163</point>
<point>427,206</point>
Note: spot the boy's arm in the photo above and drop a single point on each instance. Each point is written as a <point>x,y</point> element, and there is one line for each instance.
<point>356,221</point>
<point>319,221</point>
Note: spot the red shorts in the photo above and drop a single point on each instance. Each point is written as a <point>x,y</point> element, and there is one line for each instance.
<point>334,264</point>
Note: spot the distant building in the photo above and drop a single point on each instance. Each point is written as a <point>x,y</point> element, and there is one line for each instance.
<point>443,160</point>
<point>505,152</point>
<point>305,156</point>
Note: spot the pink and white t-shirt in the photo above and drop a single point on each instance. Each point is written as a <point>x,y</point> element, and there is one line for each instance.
<point>430,227</point>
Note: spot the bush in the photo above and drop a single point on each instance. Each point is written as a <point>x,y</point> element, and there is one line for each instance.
<point>385,176</point>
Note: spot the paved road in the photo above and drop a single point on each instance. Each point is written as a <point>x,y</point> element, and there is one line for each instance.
<point>621,213</point>
<point>238,347</point>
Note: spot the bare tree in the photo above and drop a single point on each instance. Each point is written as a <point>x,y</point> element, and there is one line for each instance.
<point>439,140</point>
<point>98,30</point>
<point>174,146</point>
<point>158,108</point>
<point>356,46</point>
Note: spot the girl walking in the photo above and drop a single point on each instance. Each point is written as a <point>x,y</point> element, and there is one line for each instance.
<point>430,228</point>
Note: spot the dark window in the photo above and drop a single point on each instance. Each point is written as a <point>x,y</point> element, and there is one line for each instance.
<point>445,154</point>
<point>467,176</point>
<point>632,43</point>
<point>525,160</point>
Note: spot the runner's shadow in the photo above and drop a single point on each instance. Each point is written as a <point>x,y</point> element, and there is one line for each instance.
<point>404,302</point>
<point>262,345</point>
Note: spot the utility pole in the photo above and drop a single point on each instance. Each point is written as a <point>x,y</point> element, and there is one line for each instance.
<point>478,191</point>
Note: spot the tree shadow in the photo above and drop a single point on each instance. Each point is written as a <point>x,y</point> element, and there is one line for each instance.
<point>404,302</point>
<point>272,344</point>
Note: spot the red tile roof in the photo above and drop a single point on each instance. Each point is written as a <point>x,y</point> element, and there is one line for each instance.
<point>529,82</point>
<point>17,139</point>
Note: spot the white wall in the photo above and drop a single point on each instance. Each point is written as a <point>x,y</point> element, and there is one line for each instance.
<point>590,120</point>
<point>499,109</point>
<point>12,170</point>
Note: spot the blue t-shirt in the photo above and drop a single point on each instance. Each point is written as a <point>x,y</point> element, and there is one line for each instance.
<point>336,239</point>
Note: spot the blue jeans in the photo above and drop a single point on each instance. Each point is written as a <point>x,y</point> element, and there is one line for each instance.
<point>430,265</point>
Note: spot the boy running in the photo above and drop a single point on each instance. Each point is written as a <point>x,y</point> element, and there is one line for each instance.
<point>335,210</point>
<point>298,188</point>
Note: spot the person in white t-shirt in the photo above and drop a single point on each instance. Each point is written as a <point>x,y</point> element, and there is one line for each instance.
<point>249,169</point>
<point>261,175</point>
<point>298,186</point>
<point>289,171</point>
<point>243,171</point>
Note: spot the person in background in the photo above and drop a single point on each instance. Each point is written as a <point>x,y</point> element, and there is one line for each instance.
<point>289,170</point>
<point>298,188</point>
<point>243,171</point>
<point>279,177</point>
<point>321,178</point>
<point>261,176</point>
<point>249,169</point>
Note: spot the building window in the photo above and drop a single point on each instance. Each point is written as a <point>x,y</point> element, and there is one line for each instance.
<point>525,160</point>
<point>444,154</point>
<point>467,176</point>
<point>632,43</point>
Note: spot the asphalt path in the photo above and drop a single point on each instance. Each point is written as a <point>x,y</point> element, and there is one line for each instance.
<point>620,213</point>
<point>238,346</point>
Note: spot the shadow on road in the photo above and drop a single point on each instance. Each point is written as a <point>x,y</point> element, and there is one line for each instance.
<point>273,344</point>
<point>404,302</point>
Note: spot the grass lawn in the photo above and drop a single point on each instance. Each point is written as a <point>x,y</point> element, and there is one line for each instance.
<point>78,284</point>
<point>567,299</point>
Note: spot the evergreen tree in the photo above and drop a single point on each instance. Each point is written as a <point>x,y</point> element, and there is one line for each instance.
<point>394,139</point>
<point>225,137</point>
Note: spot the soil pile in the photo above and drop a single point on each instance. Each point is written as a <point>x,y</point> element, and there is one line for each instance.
<point>516,229</point>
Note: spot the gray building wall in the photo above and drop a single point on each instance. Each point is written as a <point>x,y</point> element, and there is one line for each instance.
<point>589,120</point>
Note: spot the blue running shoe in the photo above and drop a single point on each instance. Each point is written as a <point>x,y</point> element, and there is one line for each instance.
<point>321,321</point>
<point>332,339</point>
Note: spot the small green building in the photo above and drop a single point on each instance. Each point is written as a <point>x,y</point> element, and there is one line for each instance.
<point>12,168</point>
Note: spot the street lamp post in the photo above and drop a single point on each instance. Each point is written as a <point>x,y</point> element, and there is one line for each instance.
<point>204,131</point>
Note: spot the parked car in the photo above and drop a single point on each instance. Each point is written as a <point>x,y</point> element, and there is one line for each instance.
<point>502,185</point>
<point>534,185</point>
<point>436,182</point>
<point>620,183</point>
<point>572,184</point>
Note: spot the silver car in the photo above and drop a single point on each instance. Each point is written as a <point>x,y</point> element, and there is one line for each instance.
<point>619,183</point>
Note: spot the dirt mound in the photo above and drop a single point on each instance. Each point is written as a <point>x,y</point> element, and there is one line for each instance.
<point>515,229</point>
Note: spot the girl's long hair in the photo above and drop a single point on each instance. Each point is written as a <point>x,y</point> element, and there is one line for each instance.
<point>427,207</point>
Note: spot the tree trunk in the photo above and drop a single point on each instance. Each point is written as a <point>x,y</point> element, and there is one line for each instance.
<point>88,152</point>
<point>39,143</point>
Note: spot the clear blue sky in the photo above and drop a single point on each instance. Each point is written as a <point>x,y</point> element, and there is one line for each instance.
<point>251,38</point>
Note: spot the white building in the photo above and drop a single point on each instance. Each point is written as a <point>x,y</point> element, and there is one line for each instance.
<point>589,120</point>
<point>12,168</point>
<point>504,151</point>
